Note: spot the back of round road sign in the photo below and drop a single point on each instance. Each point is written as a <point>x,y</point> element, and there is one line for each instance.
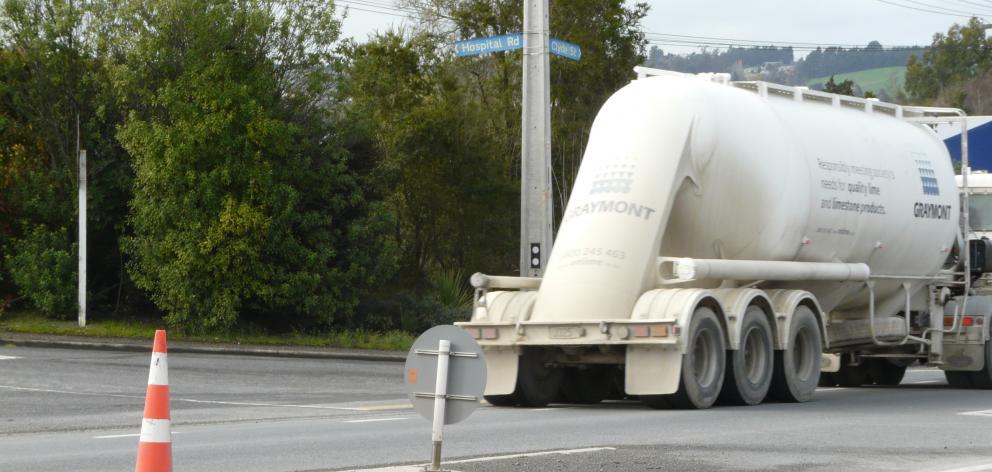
<point>466,373</point>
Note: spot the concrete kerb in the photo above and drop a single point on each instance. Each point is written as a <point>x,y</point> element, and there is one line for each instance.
<point>139,345</point>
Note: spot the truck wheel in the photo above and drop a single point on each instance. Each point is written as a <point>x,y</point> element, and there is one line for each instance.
<point>851,375</point>
<point>884,372</point>
<point>797,369</point>
<point>702,365</point>
<point>827,379</point>
<point>958,379</point>
<point>538,382</point>
<point>501,400</point>
<point>983,378</point>
<point>749,371</point>
<point>617,380</point>
<point>588,385</point>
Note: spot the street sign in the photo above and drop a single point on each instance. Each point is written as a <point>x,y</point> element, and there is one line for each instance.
<point>466,373</point>
<point>506,42</point>
<point>565,49</point>
<point>509,42</point>
<point>445,374</point>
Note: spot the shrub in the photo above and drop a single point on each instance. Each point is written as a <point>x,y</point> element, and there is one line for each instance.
<point>41,265</point>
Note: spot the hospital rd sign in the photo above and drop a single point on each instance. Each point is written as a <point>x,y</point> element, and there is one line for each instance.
<point>512,41</point>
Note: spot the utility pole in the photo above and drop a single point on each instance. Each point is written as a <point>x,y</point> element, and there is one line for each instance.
<point>536,202</point>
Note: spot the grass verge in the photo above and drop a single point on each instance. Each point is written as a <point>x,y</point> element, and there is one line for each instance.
<point>36,323</point>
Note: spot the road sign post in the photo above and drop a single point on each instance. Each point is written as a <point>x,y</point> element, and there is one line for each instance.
<point>440,392</point>
<point>450,362</point>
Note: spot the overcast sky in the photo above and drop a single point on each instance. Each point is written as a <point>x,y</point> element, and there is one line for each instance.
<point>826,22</point>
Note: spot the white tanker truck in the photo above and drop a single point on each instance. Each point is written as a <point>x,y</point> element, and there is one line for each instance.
<point>731,241</point>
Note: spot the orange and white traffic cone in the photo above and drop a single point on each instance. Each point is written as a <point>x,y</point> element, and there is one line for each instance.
<point>155,445</point>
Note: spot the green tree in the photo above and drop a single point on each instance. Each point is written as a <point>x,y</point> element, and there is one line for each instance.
<point>942,74</point>
<point>243,201</point>
<point>50,77</point>
<point>609,33</point>
<point>844,88</point>
<point>436,159</point>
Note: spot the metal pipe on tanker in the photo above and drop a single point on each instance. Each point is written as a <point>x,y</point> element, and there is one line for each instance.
<point>480,280</point>
<point>684,269</point>
<point>965,223</point>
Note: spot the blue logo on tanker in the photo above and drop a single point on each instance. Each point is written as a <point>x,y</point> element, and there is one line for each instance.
<point>930,211</point>
<point>928,177</point>
<point>614,178</point>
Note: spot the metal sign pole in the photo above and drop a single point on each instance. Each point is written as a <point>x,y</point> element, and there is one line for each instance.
<point>440,392</point>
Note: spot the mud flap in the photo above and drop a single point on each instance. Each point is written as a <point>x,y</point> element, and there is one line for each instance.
<point>652,370</point>
<point>501,369</point>
<point>964,357</point>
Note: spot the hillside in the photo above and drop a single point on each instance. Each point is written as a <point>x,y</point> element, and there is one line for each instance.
<point>889,78</point>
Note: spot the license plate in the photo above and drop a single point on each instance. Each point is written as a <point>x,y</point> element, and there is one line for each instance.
<point>567,332</point>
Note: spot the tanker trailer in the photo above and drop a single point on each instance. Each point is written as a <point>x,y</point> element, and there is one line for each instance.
<point>727,240</point>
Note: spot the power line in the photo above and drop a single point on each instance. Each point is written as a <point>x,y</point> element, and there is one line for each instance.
<point>971,4</point>
<point>378,9</point>
<point>887,2</point>
<point>942,8</point>
<point>402,12</point>
<point>719,45</point>
<point>378,4</point>
<point>747,42</point>
<point>659,39</point>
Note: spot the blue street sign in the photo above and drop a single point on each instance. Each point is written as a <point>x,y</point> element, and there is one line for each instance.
<point>492,44</point>
<point>566,49</point>
<point>509,42</point>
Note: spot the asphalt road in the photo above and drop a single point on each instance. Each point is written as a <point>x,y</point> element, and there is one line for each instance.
<point>74,410</point>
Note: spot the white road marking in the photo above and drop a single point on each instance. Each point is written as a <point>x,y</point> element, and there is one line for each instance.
<point>372,420</point>
<point>115,436</point>
<point>188,400</point>
<point>973,468</point>
<point>927,382</point>
<point>531,454</point>
<point>69,392</point>
<point>398,406</point>
<point>278,405</point>
<point>830,389</point>
<point>8,358</point>
<point>977,413</point>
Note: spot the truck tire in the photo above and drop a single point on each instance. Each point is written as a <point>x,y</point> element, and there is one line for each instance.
<point>749,368</point>
<point>797,369</point>
<point>587,385</point>
<point>702,365</point>
<point>983,378</point>
<point>958,379</point>
<point>852,375</point>
<point>538,382</point>
<point>884,372</point>
<point>827,379</point>
<point>501,400</point>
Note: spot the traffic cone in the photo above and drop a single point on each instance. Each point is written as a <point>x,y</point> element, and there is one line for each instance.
<point>155,445</point>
